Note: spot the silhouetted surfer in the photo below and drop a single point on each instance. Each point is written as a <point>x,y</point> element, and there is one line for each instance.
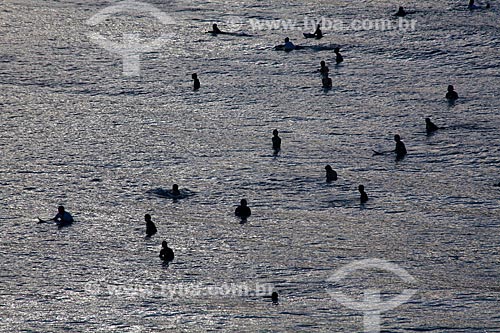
<point>276,141</point>
<point>327,82</point>
<point>243,210</point>
<point>400,147</point>
<point>430,126</point>
<point>324,69</point>
<point>364,197</point>
<point>196,85</point>
<point>451,95</point>
<point>166,253</point>
<point>62,216</point>
<point>401,12</point>
<point>150,226</point>
<point>338,56</point>
<point>215,29</point>
<point>331,175</point>
<point>175,190</point>
<point>274,297</point>
<point>473,6</point>
<point>318,33</point>
<point>289,46</point>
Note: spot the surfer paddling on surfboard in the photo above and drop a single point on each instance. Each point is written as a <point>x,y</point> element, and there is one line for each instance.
<point>216,31</point>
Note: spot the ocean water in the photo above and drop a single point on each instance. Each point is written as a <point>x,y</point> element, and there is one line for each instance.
<point>76,131</point>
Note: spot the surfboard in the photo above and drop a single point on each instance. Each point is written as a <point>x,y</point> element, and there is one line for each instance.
<point>310,35</point>
<point>238,34</point>
<point>59,224</point>
<point>375,153</point>
<point>282,48</point>
<point>315,48</point>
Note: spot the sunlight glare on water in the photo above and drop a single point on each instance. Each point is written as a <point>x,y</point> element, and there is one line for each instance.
<point>76,131</point>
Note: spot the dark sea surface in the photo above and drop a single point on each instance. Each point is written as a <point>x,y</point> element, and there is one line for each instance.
<point>76,131</point>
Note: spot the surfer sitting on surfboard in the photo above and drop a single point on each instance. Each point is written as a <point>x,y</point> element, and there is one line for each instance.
<point>276,141</point>
<point>63,217</point>
<point>451,95</point>
<point>327,82</point>
<point>196,81</point>
<point>288,45</point>
<point>400,149</point>
<point>430,126</point>
<point>338,56</point>
<point>318,33</point>
<point>175,190</point>
<point>472,6</point>
<point>150,226</point>
<point>166,253</point>
<point>243,210</point>
<point>215,29</point>
<point>331,175</point>
<point>364,197</point>
<point>401,12</point>
<point>274,298</point>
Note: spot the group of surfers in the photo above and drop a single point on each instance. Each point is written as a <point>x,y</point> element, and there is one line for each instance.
<point>243,211</point>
